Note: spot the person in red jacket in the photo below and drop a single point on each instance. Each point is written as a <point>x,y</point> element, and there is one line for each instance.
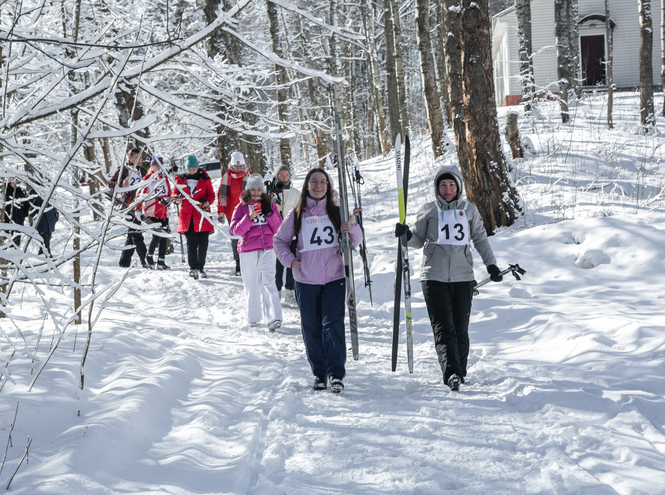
<point>231,187</point>
<point>194,193</point>
<point>155,208</point>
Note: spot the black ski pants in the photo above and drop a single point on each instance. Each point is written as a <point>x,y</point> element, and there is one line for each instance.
<point>197,247</point>
<point>449,309</point>
<point>158,242</point>
<point>134,238</point>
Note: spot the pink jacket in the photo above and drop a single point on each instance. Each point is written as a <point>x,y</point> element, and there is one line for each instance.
<point>317,267</point>
<point>254,237</point>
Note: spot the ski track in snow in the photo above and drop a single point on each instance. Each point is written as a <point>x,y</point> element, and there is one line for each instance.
<point>565,390</point>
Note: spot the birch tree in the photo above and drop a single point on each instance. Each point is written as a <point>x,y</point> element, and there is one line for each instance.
<point>564,63</point>
<point>608,65</point>
<point>647,112</point>
<point>523,13</point>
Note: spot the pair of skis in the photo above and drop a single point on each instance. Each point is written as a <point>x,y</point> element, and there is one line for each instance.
<point>345,243</point>
<point>402,272</point>
<point>358,205</point>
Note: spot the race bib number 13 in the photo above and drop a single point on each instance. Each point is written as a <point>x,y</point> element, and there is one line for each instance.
<point>453,229</point>
<point>318,233</point>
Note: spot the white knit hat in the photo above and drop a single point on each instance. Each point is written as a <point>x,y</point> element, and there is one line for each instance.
<point>255,180</point>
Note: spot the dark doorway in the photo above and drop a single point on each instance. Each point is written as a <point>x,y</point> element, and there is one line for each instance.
<point>593,59</point>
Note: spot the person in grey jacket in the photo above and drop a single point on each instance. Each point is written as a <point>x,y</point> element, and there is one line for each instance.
<point>443,229</point>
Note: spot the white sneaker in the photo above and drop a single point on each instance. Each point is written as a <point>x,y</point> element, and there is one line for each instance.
<point>274,325</point>
<point>254,324</point>
<point>290,298</point>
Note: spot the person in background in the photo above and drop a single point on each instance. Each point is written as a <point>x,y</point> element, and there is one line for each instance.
<point>46,225</point>
<point>256,220</point>
<point>17,207</point>
<point>130,175</point>
<point>444,228</point>
<point>156,210</point>
<point>231,187</point>
<point>318,270</point>
<point>286,197</point>
<point>194,186</point>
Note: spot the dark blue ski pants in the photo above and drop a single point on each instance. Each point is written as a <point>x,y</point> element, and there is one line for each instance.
<point>322,325</point>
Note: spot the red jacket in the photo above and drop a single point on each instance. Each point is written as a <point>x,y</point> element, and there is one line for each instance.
<point>202,192</point>
<point>160,190</point>
<point>231,187</point>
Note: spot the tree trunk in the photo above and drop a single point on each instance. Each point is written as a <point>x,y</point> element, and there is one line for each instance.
<point>391,72</point>
<point>662,53</point>
<point>562,32</point>
<point>453,21</point>
<point>523,13</point>
<point>647,113</point>
<point>374,75</point>
<point>513,135</point>
<point>608,67</point>
<point>399,68</point>
<point>487,182</point>
<point>574,36</point>
<point>441,59</point>
<point>313,88</point>
<point>281,82</point>
<point>428,74</point>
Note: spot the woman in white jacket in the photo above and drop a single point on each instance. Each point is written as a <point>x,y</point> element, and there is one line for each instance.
<point>286,197</point>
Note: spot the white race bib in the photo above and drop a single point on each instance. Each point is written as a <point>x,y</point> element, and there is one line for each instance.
<point>158,188</point>
<point>134,179</point>
<point>318,233</point>
<point>260,220</point>
<point>453,229</point>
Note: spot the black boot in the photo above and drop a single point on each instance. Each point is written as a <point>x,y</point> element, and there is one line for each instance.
<point>238,268</point>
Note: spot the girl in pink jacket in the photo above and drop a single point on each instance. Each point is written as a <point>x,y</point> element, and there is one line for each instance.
<point>256,219</point>
<point>318,271</point>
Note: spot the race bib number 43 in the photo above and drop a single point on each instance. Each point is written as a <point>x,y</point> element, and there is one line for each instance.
<point>453,229</point>
<point>318,233</point>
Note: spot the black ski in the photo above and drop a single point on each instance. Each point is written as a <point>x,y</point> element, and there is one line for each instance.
<point>398,267</point>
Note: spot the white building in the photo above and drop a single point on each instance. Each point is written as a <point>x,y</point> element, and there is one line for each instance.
<point>593,47</point>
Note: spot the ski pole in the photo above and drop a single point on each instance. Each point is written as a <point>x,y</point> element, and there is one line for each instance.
<point>182,245</point>
<point>514,269</point>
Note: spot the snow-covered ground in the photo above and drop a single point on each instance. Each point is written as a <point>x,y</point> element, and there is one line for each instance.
<point>566,385</point>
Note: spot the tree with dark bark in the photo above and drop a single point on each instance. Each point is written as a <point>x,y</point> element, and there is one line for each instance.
<point>484,168</point>
<point>428,74</point>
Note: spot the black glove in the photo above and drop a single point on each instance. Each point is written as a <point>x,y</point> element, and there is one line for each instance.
<point>495,273</point>
<point>266,207</point>
<point>401,229</point>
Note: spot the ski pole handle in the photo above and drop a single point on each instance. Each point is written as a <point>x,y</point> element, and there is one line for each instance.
<point>515,269</point>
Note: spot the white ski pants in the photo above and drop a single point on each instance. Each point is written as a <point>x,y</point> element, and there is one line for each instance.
<point>258,276</point>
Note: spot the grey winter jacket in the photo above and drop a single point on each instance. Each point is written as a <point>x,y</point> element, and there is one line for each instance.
<point>443,262</point>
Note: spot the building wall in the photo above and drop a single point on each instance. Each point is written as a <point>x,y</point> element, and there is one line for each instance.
<point>626,43</point>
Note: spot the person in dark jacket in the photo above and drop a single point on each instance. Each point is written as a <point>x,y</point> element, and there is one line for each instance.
<point>443,229</point>
<point>194,194</point>
<point>17,206</point>
<point>130,175</point>
<point>46,225</point>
